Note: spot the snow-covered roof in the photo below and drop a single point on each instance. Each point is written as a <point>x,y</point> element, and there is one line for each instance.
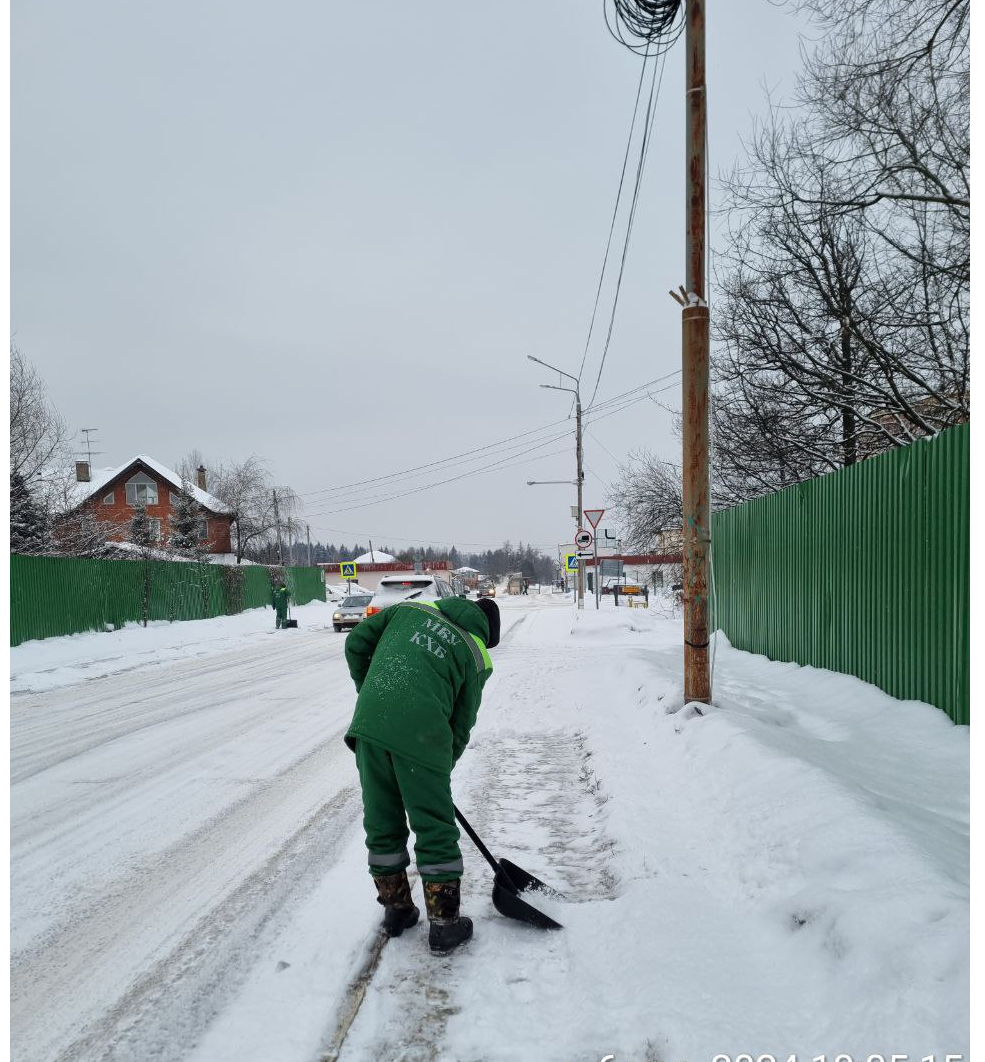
<point>100,477</point>
<point>376,557</point>
<point>466,568</point>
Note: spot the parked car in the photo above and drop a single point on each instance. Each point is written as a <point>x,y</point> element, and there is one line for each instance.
<point>416,586</point>
<point>351,611</point>
<point>486,590</point>
<point>336,593</point>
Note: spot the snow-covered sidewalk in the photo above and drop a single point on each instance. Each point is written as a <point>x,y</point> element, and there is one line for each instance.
<point>786,873</point>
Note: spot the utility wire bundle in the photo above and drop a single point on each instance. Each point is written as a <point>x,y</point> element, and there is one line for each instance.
<point>647,27</point>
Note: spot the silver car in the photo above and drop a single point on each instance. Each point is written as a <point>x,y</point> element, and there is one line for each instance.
<point>351,611</point>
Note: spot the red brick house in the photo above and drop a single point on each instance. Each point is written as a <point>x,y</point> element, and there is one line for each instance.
<point>111,494</point>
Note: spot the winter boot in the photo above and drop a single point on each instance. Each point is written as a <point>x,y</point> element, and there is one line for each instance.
<point>399,911</point>
<point>448,928</point>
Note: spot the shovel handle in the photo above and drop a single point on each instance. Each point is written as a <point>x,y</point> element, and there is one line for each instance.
<point>490,859</point>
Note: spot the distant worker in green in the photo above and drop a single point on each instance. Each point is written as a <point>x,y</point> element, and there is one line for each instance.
<point>419,669</point>
<point>280,604</point>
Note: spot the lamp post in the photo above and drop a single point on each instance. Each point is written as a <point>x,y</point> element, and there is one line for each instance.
<point>578,457</point>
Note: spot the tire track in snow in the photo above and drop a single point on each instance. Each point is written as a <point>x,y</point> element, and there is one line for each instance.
<point>122,947</point>
<point>168,1009</point>
<point>49,729</point>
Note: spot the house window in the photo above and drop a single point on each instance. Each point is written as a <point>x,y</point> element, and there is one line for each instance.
<point>141,490</point>
<point>110,499</point>
<point>155,528</point>
<point>175,498</point>
<point>202,529</point>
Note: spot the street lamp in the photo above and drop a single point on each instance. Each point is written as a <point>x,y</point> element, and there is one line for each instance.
<point>578,456</point>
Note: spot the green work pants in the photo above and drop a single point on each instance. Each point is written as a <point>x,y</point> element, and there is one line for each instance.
<point>395,790</point>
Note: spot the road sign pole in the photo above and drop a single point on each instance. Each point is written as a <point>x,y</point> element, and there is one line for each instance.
<point>595,546</point>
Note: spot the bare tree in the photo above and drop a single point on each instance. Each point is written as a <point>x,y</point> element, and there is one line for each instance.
<point>248,489</point>
<point>38,435</point>
<point>843,328</point>
<point>646,499</point>
<point>77,533</point>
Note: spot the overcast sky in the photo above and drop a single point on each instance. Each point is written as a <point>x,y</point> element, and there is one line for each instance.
<point>329,234</point>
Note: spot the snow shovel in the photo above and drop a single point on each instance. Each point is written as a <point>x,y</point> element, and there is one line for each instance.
<point>509,881</point>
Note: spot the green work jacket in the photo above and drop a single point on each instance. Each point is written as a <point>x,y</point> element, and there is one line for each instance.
<point>419,669</point>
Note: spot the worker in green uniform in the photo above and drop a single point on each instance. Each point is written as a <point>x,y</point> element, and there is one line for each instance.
<point>419,669</point>
<point>280,604</point>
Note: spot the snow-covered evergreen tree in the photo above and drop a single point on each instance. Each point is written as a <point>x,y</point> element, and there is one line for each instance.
<point>139,527</point>
<point>186,519</point>
<point>28,523</point>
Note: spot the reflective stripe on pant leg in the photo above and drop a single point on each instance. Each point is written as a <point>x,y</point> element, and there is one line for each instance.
<point>426,794</point>
<point>454,867</point>
<point>384,818</point>
<point>388,859</point>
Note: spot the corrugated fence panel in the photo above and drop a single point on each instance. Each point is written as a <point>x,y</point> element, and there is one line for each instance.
<point>864,571</point>
<point>305,584</point>
<point>52,596</point>
<point>256,587</point>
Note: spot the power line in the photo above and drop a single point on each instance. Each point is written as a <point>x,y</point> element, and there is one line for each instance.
<point>362,493</point>
<point>497,465</point>
<point>501,445</point>
<point>500,465</point>
<point>615,213</point>
<point>651,110</point>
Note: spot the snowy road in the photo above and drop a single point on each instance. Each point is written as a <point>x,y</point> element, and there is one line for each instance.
<point>149,809</point>
<point>786,873</point>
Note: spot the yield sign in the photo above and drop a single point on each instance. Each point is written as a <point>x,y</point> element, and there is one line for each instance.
<point>594,515</point>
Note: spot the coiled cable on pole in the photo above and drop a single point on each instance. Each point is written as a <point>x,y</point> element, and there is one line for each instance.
<point>645,26</point>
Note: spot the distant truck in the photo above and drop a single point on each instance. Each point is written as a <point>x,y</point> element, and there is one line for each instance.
<point>515,584</point>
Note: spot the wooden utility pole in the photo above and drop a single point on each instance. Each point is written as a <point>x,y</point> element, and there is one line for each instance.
<point>695,349</point>
<point>307,528</point>
<point>581,483</point>
<point>280,544</point>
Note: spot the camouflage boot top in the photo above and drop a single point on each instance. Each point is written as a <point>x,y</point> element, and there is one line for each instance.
<point>442,899</point>
<point>394,890</point>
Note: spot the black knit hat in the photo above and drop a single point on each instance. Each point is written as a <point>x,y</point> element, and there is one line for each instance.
<point>491,610</point>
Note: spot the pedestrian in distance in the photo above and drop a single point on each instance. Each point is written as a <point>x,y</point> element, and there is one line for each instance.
<point>419,668</point>
<point>280,605</point>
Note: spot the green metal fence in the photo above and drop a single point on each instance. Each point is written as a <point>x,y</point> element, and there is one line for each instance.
<point>51,596</point>
<point>864,571</point>
<point>305,584</point>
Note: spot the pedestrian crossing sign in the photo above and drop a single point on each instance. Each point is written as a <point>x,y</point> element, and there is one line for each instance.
<point>348,569</point>
<point>571,562</point>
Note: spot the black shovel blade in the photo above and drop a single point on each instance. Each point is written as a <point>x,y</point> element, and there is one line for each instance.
<point>525,881</point>
<point>508,902</point>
